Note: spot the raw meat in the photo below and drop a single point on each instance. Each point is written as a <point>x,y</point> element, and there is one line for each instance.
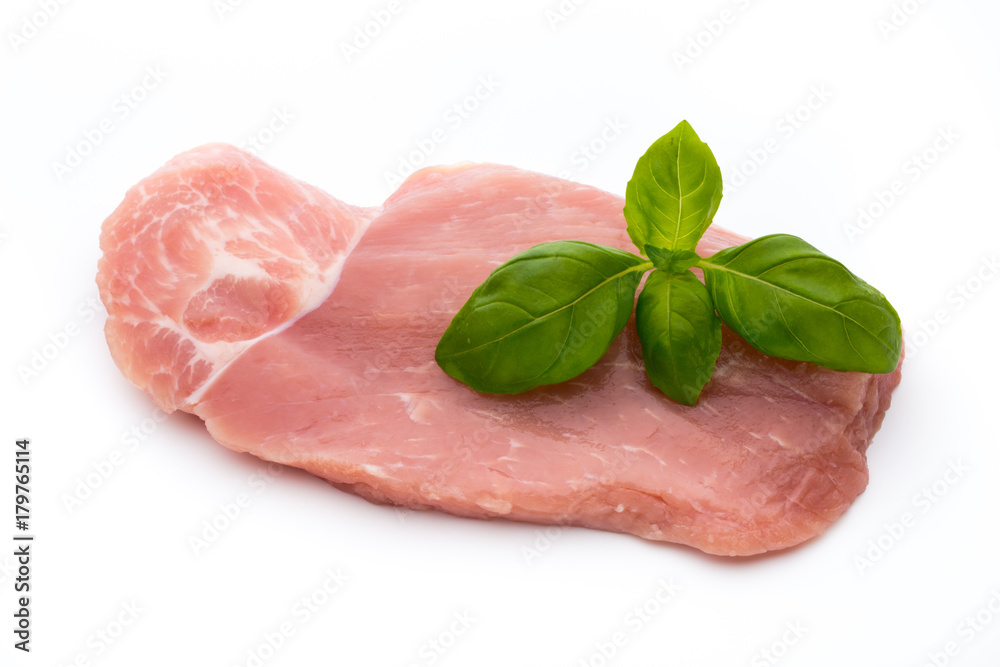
<point>246,297</point>
<point>208,254</point>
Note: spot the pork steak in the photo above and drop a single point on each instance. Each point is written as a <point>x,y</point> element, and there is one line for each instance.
<point>302,330</point>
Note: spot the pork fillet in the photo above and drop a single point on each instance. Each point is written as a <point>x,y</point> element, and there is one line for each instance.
<point>302,330</point>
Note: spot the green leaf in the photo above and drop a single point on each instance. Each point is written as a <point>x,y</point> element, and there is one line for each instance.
<point>672,261</point>
<point>674,192</point>
<point>789,300</point>
<point>680,334</point>
<point>544,317</point>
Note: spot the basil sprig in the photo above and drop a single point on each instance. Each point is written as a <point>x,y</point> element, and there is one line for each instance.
<point>789,300</point>
<point>680,334</point>
<point>552,312</point>
<point>674,193</point>
<point>544,317</point>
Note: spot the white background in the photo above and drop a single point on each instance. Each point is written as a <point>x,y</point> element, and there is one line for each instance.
<point>885,93</point>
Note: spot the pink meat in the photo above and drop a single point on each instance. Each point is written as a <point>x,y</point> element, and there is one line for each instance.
<point>246,297</point>
<point>208,254</point>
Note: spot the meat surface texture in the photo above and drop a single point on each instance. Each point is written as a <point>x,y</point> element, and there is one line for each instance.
<point>211,252</point>
<point>302,330</point>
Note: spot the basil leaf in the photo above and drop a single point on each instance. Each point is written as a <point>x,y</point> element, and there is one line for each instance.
<point>680,334</point>
<point>788,299</point>
<point>674,192</point>
<point>672,261</point>
<point>544,317</point>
